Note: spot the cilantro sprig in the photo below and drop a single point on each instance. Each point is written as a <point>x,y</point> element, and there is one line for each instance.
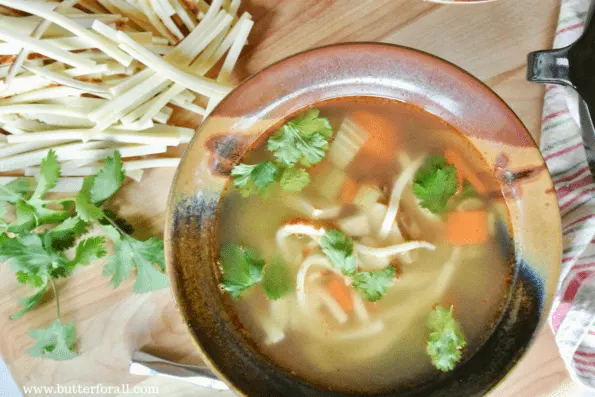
<point>339,249</point>
<point>243,268</point>
<point>39,256</point>
<point>303,140</point>
<point>446,339</point>
<point>435,183</point>
<point>374,285</point>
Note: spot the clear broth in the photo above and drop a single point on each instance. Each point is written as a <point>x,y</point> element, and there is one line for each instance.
<point>396,357</point>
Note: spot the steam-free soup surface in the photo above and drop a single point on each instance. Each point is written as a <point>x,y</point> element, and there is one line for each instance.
<point>333,335</point>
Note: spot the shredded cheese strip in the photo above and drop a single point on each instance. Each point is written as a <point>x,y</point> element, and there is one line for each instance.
<point>72,43</point>
<point>198,84</point>
<point>42,109</point>
<point>155,21</point>
<point>36,34</point>
<point>149,138</point>
<point>129,167</point>
<point>68,24</point>
<point>45,49</point>
<point>67,81</point>
<point>187,18</point>
<point>110,89</point>
<point>164,15</point>
<point>43,94</point>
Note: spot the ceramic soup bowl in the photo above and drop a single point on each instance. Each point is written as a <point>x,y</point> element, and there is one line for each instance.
<point>359,69</point>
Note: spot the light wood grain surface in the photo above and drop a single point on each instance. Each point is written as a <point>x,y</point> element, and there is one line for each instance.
<point>489,40</point>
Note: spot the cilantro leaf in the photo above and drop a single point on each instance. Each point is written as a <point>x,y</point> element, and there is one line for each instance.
<point>108,180</point>
<point>88,251</point>
<point>339,249</point>
<point>25,253</point>
<point>55,342</point>
<point>62,236</point>
<point>446,339</point>
<point>294,179</point>
<point>48,175</point>
<point>26,218</point>
<point>31,279</point>
<point>241,268</point>
<point>251,179</point>
<point>374,285</point>
<point>311,122</point>
<point>85,209</point>
<point>130,253</point>
<point>303,139</point>
<point>283,145</point>
<point>289,146</point>
<point>30,303</point>
<point>434,183</point>
<point>15,189</point>
<point>277,280</point>
<point>46,216</point>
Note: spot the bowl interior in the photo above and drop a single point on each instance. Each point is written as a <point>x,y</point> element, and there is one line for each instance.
<point>359,69</point>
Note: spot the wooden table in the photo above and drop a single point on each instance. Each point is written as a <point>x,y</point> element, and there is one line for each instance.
<point>490,40</point>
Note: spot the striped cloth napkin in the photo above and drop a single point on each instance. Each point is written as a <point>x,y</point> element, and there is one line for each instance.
<point>573,314</point>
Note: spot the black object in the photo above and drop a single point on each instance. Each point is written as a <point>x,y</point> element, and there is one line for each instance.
<point>572,66</point>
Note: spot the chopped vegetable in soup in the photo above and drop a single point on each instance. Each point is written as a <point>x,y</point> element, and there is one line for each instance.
<point>365,237</point>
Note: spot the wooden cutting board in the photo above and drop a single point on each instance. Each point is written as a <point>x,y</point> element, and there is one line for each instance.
<point>489,40</point>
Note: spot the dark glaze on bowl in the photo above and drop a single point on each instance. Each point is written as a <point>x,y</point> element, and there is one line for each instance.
<point>362,69</point>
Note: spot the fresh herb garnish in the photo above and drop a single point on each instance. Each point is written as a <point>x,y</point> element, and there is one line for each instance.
<point>55,342</point>
<point>277,280</point>
<point>446,339</point>
<point>339,249</point>
<point>294,179</point>
<point>435,183</point>
<point>253,179</point>
<point>243,268</point>
<point>302,140</point>
<point>38,256</point>
<point>130,253</point>
<point>374,285</point>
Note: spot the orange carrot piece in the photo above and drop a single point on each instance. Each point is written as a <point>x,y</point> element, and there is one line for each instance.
<point>464,171</point>
<point>340,292</point>
<point>349,190</point>
<point>382,132</point>
<point>466,228</point>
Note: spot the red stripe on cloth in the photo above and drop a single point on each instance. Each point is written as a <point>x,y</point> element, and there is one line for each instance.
<point>578,197</point>
<point>583,354</point>
<point>571,177</point>
<point>574,285</point>
<point>579,220</point>
<point>548,88</point>
<point>569,28</point>
<point>584,266</point>
<point>559,314</point>
<point>583,362</point>
<point>591,332</point>
<point>567,189</point>
<point>563,151</point>
<point>555,114</point>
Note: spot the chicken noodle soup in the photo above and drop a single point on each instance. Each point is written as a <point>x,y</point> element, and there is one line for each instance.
<point>363,246</point>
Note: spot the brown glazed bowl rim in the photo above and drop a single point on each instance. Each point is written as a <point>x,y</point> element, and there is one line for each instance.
<point>541,273</point>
